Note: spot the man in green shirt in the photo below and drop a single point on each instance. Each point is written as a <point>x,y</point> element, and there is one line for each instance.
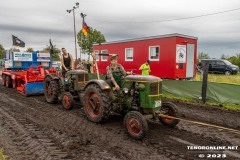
<point>145,68</point>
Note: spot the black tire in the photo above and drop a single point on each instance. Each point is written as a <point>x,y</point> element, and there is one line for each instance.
<point>227,73</point>
<point>51,90</point>
<point>14,83</point>
<point>97,104</point>
<point>4,80</point>
<point>135,124</point>
<point>8,82</point>
<point>67,101</point>
<point>169,109</point>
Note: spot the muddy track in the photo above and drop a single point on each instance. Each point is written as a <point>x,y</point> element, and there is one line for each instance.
<point>32,129</point>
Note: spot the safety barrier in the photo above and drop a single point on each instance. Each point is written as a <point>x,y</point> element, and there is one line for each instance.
<point>219,92</point>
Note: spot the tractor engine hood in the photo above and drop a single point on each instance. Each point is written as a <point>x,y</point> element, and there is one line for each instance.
<point>141,78</point>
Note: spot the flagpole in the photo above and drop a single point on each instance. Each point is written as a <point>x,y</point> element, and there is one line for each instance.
<point>83,17</point>
<point>75,36</point>
<point>74,25</point>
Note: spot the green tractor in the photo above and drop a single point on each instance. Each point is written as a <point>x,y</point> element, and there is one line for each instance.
<point>139,98</point>
<point>68,90</point>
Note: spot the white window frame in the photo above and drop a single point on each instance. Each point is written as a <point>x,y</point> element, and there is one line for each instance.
<point>96,53</point>
<point>126,54</point>
<point>104,60</point>
<point>149,53</point>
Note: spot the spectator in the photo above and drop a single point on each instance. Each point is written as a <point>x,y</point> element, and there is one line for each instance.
<point>145,68</point>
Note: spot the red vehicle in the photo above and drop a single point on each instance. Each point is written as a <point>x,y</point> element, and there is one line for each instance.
<point>172,56</point>
<point>26,72</point>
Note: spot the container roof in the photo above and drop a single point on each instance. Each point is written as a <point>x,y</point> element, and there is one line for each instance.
<point>152,37</point>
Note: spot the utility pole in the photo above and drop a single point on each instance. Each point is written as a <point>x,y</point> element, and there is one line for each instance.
<point>74,26</point>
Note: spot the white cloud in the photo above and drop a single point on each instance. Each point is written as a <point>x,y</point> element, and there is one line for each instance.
<point>35,22</point>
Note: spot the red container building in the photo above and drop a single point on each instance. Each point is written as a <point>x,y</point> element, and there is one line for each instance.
<point>172,56</point>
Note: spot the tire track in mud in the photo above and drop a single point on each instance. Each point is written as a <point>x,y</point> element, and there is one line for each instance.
<point>29,139</point>
<point>81,138</point>
<point>92,134</point>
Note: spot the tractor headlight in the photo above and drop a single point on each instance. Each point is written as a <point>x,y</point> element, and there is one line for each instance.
<point>125,90</point>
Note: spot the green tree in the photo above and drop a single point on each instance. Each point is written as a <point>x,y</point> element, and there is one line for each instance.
<point>235,59</point>
<point>29,50</point>
<point>55,55</point>
<point>2,52</point>
<point>86,42</point>
<point>224,57</point>
<point>202,55</point>
<point>15,50</point>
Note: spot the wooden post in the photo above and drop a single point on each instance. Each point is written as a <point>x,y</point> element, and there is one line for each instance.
<point>205,79</point>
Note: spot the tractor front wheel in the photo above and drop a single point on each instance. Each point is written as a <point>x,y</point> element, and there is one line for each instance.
<point>9,82</point>
<point>51,90</point>
<point>97,104</point>
<point>169,109</point>
<point>67,101</point>
<point>135,124</point>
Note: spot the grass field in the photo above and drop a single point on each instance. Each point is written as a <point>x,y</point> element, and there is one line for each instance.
<point>221,78</point>
<point>2,156</point>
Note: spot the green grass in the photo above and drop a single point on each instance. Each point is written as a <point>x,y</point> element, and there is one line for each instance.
<point>188,100</point>
<point>3,156</point>
<point>231,79</point>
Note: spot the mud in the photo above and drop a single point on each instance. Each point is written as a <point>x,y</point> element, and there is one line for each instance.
<point>32,129</point>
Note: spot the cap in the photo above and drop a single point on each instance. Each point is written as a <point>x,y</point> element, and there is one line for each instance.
<point>113,57</point>
<point>148,61</point>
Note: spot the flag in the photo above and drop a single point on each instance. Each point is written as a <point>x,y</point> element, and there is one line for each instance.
<point>17,42</point>
<point>51,47</point>
<point>85,28</point>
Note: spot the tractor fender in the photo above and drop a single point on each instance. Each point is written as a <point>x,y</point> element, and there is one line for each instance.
<point>101,83</point>
<point>52,76</point>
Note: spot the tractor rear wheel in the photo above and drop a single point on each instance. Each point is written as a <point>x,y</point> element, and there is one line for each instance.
<point>51,90</point>
<point>4,80</point>
<point>8,81</point>
<point>67,101</point>
<point>169,109</point>
<point>135,124</point>
<point>97,104</point>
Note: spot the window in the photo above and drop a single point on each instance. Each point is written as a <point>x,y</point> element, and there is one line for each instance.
<point>104,58</point>
<point>129,54</point>
<point>97,56</point>
<point>154,52</point>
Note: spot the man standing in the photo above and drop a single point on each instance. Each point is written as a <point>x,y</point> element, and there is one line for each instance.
<point>88,66</point>
<point>145,68</point>
<point>66,61</point>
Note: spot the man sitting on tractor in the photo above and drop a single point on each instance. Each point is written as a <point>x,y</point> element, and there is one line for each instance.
<point>115,73</point>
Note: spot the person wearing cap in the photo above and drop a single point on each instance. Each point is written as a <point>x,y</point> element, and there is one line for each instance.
<point>115,73</point>
<point>145,68</point>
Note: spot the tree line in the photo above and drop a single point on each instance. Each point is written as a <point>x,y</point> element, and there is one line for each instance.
<point>233,59</point>
<point>84,42</point>
<point>55,56</point>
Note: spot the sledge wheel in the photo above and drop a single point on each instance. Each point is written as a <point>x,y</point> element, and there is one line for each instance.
<point>14,83</point>
<point>4,80</point>
<point>67,101</point>
<point>169,109</point>
<point>8,81</point>
<point>97,104</point>
<point>135,124</point>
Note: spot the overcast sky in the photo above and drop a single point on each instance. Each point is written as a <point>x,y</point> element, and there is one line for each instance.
<point>36,21</point>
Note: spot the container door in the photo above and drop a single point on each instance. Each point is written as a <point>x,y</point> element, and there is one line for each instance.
<point>190,61</point>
